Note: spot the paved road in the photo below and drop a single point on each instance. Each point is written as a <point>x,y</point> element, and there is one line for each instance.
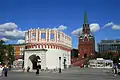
<point>70,74</point>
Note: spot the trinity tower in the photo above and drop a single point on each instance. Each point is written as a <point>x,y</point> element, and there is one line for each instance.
<point>86,46</point>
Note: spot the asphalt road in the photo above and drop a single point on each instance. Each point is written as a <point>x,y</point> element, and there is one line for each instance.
<point>70,74</point>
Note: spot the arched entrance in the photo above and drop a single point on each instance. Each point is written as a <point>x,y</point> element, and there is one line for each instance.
<point>34,60</point>
<point>85,55</point>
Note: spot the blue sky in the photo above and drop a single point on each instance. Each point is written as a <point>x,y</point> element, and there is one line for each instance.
<point>22,15</point>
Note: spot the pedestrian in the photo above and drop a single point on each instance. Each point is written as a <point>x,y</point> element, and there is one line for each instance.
<point>5,71</point>
<point>10,67</point>
<point>115,71</point>
<point>1,71</point>
<point>37,71</point>
<point>115,67</point>
<point>28,69</point>
<point>23,69</point>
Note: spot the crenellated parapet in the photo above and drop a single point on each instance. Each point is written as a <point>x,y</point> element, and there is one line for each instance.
<point>48,38</point>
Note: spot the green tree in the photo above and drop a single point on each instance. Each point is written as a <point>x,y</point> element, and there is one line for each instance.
<point>10,50</point>
<point>6,53</point>
<point>2,51</point>
<point>109,55</point>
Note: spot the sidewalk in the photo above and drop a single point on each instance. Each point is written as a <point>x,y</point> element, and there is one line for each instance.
<point>49,71</point>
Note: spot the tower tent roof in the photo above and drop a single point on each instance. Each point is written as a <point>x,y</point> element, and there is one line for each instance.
<point>85,18</point>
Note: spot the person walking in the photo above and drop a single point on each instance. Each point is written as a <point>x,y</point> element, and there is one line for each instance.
<point>23,69</point>
<point>115,71</point>
<point>5,71</point>
<point>1,71</point>
<point>28,69</point>
<point>10,67</point>
<point>115,67</point>
<point>37,71</point>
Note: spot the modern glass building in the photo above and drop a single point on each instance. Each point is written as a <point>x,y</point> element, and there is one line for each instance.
<point>107,45</point>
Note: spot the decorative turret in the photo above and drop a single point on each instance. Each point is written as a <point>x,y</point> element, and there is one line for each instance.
<point>86,28</point>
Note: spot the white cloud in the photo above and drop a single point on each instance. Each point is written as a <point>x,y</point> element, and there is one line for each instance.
<point>10,31</point>
<point>55,28</point>
<point>77,31</point>
<point>8,26</point>
<point>20,41</point>
<point>93,27</point>
<point>5,39</point>
<point>116,27</point>
<point>108,24</point>
<point>15,34</point>
<point>112,25</point>
<point>61,28</point>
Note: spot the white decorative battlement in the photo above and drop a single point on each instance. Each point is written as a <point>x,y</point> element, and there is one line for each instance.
<point>48,37</point>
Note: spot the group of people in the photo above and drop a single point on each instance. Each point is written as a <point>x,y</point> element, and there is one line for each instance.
<point>3,70</point>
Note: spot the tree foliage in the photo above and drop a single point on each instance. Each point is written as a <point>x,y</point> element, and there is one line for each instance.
<point>112,56</point>
<point>2,51</point>
<point>10,50</point>
<point>6,53</point>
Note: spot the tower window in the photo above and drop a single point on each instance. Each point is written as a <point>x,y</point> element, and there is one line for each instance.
<point>43,35</point>
<point>58,35</point>
<point>51,36</point>
<point>34,35</point>
<point>85,39</point>
<point>83,30</point>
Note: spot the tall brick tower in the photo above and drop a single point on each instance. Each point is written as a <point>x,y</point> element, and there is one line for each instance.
<point>86,46</point>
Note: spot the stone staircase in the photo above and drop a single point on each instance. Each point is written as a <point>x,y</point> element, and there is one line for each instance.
<point>80,62</point>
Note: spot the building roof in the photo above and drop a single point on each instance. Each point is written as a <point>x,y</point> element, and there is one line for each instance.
<point>35,50</point>
<point>85,18</point>
<point>110,41</point>
<point>18,44</point>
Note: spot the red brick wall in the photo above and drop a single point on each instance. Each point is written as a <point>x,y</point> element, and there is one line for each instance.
<point>87,47</point>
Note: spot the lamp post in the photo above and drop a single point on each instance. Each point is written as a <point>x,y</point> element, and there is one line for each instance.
<point>59,64</point>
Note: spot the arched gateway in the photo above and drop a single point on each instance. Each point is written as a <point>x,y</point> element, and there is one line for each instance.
<point>46,59</point>
<point>35,58</point>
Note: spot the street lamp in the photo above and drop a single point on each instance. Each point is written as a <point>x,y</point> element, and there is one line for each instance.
<point>59,64</point>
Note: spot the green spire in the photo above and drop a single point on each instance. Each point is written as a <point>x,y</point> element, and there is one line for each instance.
<point>85,18</point>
